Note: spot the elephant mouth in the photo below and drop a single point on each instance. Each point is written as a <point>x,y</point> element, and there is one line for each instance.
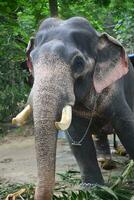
<point>63,124</point>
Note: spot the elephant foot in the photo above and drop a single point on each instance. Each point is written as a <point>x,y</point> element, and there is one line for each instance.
<point>87,186</point>
<point>15,195</point>
<point>106,163</point>
<point>121,151</point>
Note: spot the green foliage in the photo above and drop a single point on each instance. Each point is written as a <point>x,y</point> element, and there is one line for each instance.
<point>96,193</point>
<point>84,8</point>
<point>5,190</point>
<point>115,192</point>
<point>19,20</point>
<point>70,177</point>
<point>124,27</point>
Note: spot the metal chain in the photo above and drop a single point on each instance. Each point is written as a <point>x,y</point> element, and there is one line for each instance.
<point>79,143</point>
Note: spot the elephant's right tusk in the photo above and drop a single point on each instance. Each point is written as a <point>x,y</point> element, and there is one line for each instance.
<point>65,119</point>
<point>22,117</point>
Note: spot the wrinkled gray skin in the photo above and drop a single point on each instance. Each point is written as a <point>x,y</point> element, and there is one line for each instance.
<point>74,65</point>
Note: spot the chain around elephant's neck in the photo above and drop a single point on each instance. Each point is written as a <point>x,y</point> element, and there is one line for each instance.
<point>79,143</point>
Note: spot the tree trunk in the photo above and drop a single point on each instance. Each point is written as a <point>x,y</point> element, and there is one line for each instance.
<point>53,6</point>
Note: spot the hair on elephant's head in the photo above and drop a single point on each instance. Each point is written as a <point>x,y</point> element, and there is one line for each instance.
<point>68,59</point>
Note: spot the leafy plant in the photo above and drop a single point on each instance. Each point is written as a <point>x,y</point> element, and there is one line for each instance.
<point>70,177</point>
<point>5,190</point>
<point>118,191</point>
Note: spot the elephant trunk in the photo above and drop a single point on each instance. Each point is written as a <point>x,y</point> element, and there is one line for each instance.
<point>49,98</point>
<point>45,144</point>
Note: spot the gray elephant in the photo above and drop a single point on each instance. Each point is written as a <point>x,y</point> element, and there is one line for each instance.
<point>88,78</point>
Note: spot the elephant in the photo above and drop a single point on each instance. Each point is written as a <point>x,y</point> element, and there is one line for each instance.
<point>102,143</point>
<point>83,80</point>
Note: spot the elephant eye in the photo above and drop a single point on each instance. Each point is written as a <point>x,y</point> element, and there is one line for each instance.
<point>78,64</point>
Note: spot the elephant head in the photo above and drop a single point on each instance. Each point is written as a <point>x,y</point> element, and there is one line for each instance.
<point>68,60</point>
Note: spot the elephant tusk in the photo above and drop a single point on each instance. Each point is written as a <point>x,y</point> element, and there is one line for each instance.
<point>22,117</point>
<point>65,119</point>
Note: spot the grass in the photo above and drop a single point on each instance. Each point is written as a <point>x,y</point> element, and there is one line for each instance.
<point>121,189</point>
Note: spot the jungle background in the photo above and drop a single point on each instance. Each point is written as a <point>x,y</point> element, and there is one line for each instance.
<point>19,20</point>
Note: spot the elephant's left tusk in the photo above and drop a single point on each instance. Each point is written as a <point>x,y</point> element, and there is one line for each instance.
<point>22,117</point>
<point>65,119</point>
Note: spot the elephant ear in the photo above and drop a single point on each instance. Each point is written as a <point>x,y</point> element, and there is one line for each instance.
<point>111,63</point>
<point>29,48</point>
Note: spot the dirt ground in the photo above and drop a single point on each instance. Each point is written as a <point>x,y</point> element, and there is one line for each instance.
<point>18,162</point>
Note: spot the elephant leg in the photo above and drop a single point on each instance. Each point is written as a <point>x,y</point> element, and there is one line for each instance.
<point>103,151</point>
<point>85,153</point>
<point>118,148</point>
<point>102,146</point>
<point>123,123</point>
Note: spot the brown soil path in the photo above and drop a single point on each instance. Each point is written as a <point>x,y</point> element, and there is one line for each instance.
<point>18,162</point>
